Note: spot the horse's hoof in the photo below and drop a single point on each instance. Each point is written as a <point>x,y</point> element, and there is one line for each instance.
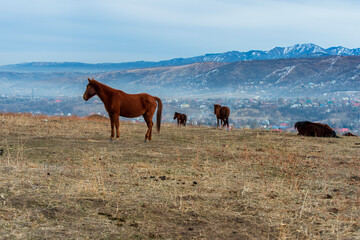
<point>146,141</point>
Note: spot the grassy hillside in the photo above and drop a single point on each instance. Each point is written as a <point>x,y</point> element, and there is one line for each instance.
<point>61,178</point>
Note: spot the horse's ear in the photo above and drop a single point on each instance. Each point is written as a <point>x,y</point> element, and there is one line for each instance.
<point>89,80</point>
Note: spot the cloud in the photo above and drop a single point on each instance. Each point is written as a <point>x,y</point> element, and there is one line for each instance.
<point>159,29</point>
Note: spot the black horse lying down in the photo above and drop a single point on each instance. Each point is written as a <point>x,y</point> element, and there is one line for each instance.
<point>311,129</point>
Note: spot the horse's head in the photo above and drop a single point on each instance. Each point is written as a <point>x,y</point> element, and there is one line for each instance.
<point>90,90</point>
<point>216,106</point>
<point>176,115</point>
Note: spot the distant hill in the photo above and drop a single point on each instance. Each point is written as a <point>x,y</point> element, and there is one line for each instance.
<point>313,77</point>
<point>278,77</point>
<point>296,51</point>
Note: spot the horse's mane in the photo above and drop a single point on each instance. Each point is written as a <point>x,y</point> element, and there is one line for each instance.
<point>102,86</point>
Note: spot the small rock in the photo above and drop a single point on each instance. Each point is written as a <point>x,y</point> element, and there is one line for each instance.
<point>134,224</point>
<point>327,196</point>
<point>272,195</point>
<point>355,178</point>
<point>334,210</point>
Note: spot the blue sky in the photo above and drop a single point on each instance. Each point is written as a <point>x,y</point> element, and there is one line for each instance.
<point>120,31</point>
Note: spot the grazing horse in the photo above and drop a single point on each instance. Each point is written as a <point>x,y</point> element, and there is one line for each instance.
<point>223,114</point>
<point>311,129</point>
<point>118,103</point>
<point>181,118</point>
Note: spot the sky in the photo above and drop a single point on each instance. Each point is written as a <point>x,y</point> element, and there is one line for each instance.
<point>95,31</point>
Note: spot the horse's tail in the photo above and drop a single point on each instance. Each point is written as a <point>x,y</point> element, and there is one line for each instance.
<point>158,113</point>
<point>185,119</point>
<point>227,117</point>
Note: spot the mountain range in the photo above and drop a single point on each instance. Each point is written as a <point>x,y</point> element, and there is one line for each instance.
<point>296,51</point>
<point>300,70</point>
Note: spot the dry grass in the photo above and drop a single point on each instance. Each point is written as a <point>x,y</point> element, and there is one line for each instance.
<point>61,178</point>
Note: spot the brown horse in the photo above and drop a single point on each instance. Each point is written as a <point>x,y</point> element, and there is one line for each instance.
<point>181,118</point>
<point>118,103</point>
<point>223,114</point>
<point>311,129</point>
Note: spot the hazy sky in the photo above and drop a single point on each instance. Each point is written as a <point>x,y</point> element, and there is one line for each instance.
<point>119,31</point>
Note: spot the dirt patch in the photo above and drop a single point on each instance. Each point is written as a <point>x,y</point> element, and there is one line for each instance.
<point>97,117</point>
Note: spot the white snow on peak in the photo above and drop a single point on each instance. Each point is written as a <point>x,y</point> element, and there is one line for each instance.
<point>341,51</point>
<point>303,48</point>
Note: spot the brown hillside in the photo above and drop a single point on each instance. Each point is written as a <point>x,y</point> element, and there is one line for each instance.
<point>61,178</point>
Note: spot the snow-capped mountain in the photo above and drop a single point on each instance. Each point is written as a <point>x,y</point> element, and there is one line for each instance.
<point>296,51</point>
<point>290,77</point>
<point>302,69</point>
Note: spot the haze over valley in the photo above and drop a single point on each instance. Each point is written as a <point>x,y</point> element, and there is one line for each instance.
<point>304,71</point>
<point>299,70</point>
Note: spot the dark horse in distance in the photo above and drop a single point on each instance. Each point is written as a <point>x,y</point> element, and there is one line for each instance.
<point>181,118</point>
<point>223,114</point>
<point>118,103</point>
<point>349,134</point>
<point>311,129</point>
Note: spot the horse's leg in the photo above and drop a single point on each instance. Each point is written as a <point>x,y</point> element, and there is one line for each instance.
<point>149,124</point>
<point>112,123</point>
<point>117,124</point>
<point>217,122</point>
